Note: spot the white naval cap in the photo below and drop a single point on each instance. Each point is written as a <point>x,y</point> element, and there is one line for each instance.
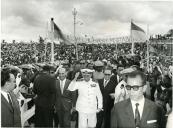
<point>87,70</point>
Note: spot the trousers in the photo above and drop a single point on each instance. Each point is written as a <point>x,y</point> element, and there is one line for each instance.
<point>87,120</point>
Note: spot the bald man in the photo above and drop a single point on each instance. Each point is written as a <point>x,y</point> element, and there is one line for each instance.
<point>65,99</point>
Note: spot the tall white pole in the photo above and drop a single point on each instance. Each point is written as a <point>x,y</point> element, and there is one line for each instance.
<point>52,41</point>
<point>131,38</point>
<point>148,54</point>
<point>45,42</point>
<point>74,12</point>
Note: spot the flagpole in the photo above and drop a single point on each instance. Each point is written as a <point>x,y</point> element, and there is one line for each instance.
<point>132,50</point>
<point>74,12</point>
<point>52,41</point>
<point>45,50</point>
<point>148,55</point>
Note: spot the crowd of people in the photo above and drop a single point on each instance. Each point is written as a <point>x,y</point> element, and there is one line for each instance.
<point>92,93</point>
<point>34,52</point>
<point>106,87</point>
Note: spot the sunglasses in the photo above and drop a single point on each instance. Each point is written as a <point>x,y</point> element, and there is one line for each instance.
<point>87,73</point>
<point>135,88</point>
<point>108,74</point>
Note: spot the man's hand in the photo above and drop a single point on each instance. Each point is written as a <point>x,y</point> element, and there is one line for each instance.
<point>112,95</point>
<point>73,109</point>
<point>58,69</point>
<point>99,110</point>
<point>76,75</point>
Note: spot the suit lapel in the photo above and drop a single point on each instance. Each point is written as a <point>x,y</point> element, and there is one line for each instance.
<point>6,103</point>
<point>102,85</point>
<point>129,112</point>
<point>16,106</point>
<point>146,111</point>
<point>107,84</point>
<point>66,85</point>
<point>58,86</point>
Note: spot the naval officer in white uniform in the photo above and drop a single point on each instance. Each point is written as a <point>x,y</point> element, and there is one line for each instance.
<point>89,100</point>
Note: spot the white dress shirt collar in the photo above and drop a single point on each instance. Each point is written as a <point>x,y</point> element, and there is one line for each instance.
<point>62,84</point>
<point>106,82</point>
<point>5,94</point>
<point>140,107</point>
<point>118,78</point>
<point>63,80</point>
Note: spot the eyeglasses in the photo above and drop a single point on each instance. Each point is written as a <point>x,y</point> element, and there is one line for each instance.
<point>135,88</point>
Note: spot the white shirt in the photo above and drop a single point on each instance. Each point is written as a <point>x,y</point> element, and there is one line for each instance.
<point>89,95</point>
<point>5,94</point>
<point>105,83</point>
<point>62,83</point>
<point>120,93</point>
<point>118,78</point>
<point>140,107</point>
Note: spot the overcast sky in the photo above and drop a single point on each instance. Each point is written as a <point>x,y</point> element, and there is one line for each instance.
<point>26,19</point>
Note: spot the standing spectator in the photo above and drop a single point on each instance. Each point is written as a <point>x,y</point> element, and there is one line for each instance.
<point>107,87</point>
<point>89,99</point>
<point>65,100</point>
<point>10,111</point>
<point>170,120</point>
<point>98,74</point>
<point>45,89</point>
<point>154,78</point>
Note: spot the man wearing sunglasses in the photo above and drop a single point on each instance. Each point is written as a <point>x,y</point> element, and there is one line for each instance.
<point>107,86</point>
<point>137,111</point>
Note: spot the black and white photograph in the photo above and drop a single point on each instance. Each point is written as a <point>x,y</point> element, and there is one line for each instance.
<point>86,63</point>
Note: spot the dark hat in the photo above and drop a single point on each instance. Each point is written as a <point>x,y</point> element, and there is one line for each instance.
<point>46,68</point>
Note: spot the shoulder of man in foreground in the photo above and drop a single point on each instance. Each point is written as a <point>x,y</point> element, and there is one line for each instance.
<point>154,105</point>
<point>122,104</point>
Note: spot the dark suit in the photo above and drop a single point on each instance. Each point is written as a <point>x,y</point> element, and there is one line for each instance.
<point>10,115</point>
<point>64,103</point>
<point>108,103</point>
<point>45,89</point>
<point>123,117</point>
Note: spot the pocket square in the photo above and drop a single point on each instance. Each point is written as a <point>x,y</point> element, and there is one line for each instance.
<point>151,121</point>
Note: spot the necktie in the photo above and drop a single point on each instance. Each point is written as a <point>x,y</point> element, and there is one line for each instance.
<point>105,83</point>
<point>10,101</point>
<point>61,86</point>
<point>137,117</point>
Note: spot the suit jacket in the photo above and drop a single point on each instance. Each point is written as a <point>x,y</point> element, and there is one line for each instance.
<point>114,79</point>
<point>45,88</point>
<point>108,102</point>
<point>10,116</point>
<point>66,100</point>
<point>123,117</point>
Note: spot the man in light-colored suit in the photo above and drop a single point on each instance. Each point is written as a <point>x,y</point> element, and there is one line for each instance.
<point>137,112</point>
<point>10,111</point>
<point>65,100</point>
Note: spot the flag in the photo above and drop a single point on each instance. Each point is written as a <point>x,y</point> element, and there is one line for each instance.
<point>137,33</point>
<point>58,36</point>
<point>58,33</point>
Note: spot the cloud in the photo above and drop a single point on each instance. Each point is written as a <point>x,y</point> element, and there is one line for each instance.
<point>26,19</point>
